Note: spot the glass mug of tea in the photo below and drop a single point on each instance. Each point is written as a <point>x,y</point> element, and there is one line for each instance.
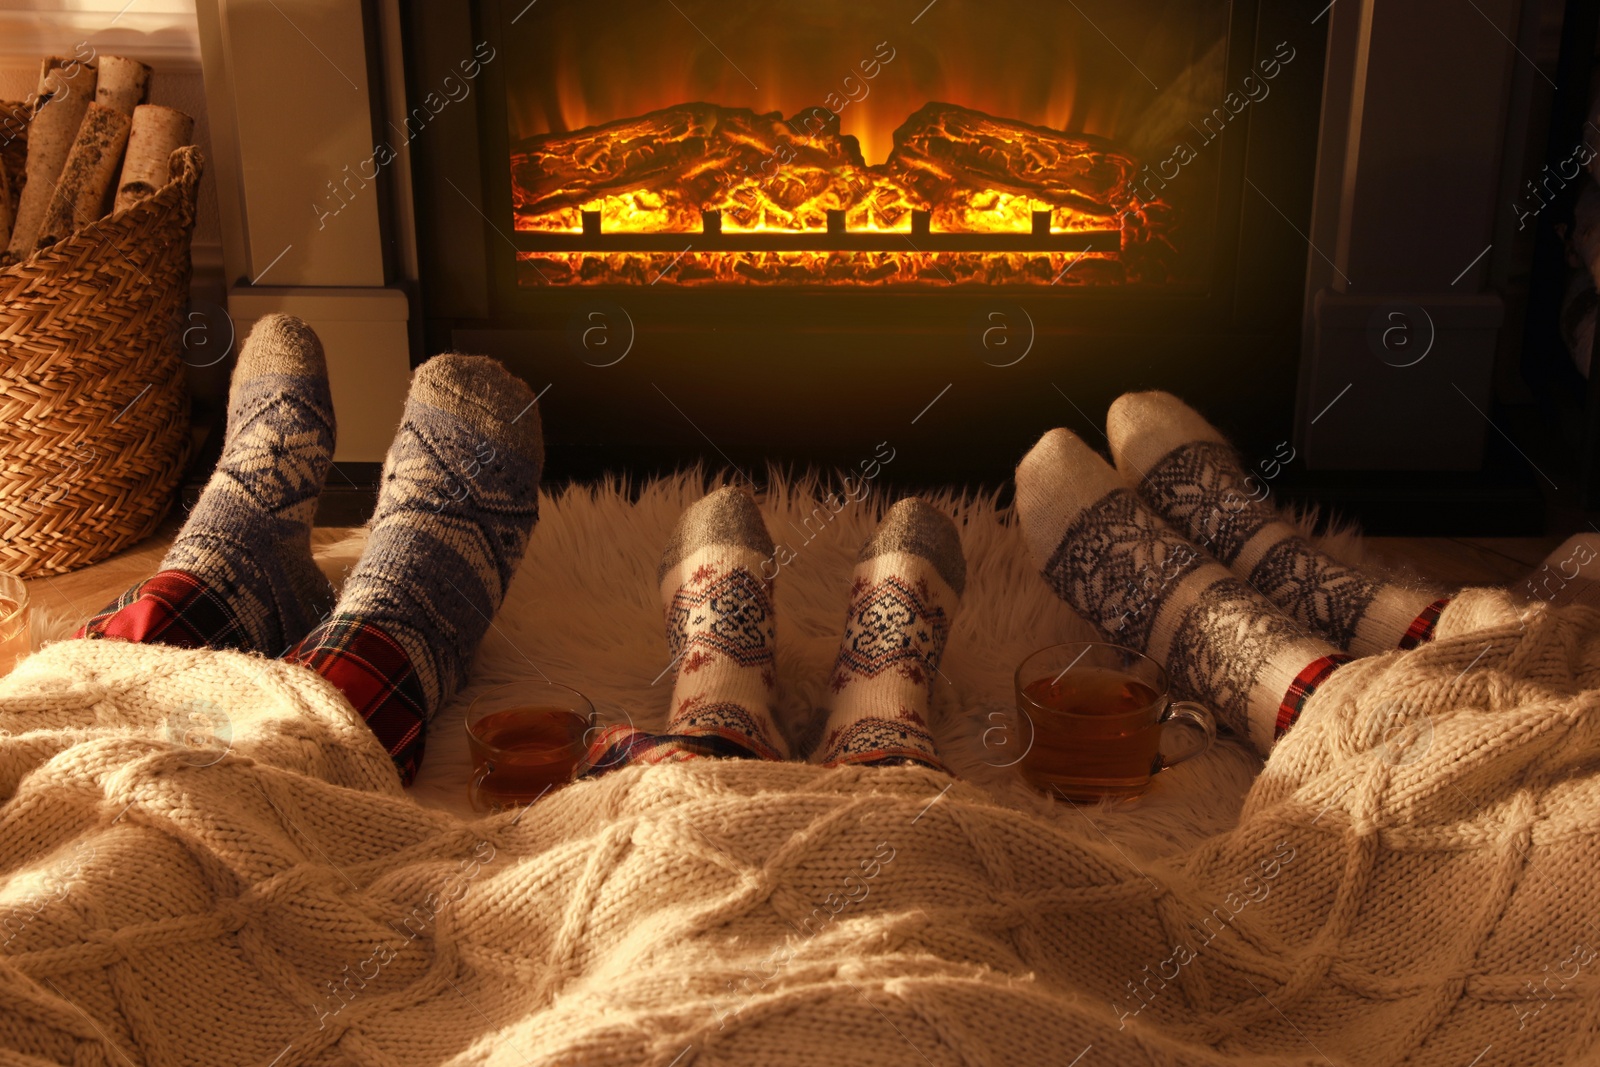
<point>14,640</point>
<point>1096,718</point>
<point>526,739</point>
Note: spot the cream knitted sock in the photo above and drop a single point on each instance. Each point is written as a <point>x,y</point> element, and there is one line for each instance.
<point>1192,477</point>
<point>903,596</point>
<point>1119,566</point>
<point>721,625</point>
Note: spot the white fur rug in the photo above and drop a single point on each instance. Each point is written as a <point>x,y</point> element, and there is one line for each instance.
<point>583,611</point>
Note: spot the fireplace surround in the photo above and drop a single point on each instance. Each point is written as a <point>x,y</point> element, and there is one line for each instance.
<point>808,328</point>
<point>695,230</point>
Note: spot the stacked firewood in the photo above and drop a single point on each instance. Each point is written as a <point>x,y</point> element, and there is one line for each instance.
<point>86,144</point>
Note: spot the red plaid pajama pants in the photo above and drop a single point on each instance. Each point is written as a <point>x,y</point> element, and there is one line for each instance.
<point>375,674</point>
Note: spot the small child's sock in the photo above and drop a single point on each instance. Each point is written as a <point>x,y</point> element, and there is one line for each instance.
<point>457,503</point>
<point>1119,566</point>
<point>721,629</point>
<point>1192,477</point>
<point>240,574</point>
<point>903,598</point>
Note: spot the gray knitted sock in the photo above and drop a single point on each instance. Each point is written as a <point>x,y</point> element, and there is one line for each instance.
<point>249,535</point>
<point>459,499</point>
<point>903,597</point>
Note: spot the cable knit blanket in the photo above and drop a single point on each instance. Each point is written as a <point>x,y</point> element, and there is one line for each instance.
<point>1423,898</point>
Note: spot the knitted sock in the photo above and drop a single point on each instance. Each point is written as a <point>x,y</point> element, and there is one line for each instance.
<point>722,630</point>
<point>1192,477</point>
<point>240,574</point>
<point>1119,566</point>
<point>459,498</point>
<point>903,596</point>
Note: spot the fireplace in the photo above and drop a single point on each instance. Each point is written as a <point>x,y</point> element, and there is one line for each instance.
<point>807,232</point>
<point>878,150</point>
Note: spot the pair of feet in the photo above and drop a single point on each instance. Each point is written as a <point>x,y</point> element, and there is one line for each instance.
<point>1178,553</point>
<point>716,580</point>
<point>457,503</point>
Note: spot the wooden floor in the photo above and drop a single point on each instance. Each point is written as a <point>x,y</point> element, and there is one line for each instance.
<point>1449,562</point>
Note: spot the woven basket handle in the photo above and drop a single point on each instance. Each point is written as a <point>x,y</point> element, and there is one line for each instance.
<point>184,167</point>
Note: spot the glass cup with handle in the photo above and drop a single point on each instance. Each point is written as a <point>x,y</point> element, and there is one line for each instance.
<point>526,739</point>
<point>15,642</point>
<point>1098,721</point>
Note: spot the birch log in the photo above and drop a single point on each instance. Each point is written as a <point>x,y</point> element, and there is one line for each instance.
<point>157,132</point>
<point>5,211</point>
<point>122,84</point>
<point>85,182</point>
<point>67,92</point>
<point>14,116</point>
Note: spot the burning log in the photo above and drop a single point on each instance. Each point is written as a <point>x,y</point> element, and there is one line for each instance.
<point>65,91</point>
<point>961,163</point>
<point>157,133</point>
<point>660,171</point>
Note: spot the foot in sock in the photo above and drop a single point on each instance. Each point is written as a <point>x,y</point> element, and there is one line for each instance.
<point>1189,474</point>
<point>722,633</point>
<point>457,503</point>
<point>903,597</point>
<point>721,629</point>
<point>1116,563</point>
<point>240,574</point>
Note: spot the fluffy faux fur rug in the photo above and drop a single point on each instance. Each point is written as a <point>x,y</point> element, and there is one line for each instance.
<point>584,611</point>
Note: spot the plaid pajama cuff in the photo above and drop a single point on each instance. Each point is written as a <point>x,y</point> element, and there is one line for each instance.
<point>1305,683</point>
<point>624,746</point>
<point>375,674</point>
<point>1421,628</point>
<point>170,608</point>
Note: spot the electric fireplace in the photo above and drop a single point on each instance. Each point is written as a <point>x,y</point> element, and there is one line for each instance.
<point>809,231</point>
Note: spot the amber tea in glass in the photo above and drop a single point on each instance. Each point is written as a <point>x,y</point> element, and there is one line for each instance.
<point>526,739</point>
<point>14,640</point>
<point>1095,717</point>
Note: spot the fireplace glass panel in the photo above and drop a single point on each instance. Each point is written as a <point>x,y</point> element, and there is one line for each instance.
<point>836,143</point>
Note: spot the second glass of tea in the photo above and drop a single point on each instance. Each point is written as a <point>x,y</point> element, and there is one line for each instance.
<point>1097,719</point>
<point>14,640</point>
<point>526,739</point>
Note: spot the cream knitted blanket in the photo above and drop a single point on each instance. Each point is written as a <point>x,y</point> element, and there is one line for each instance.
<point>1424,898</point>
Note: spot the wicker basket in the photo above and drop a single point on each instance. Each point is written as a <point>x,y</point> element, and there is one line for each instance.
<point>94,410</point>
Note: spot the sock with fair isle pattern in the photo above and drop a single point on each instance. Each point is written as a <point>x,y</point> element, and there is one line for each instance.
<point>240,574</point>
<point>1189,474</point>
<point>903,597</point>
<point>722,629</point>
<point>456,506</point>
